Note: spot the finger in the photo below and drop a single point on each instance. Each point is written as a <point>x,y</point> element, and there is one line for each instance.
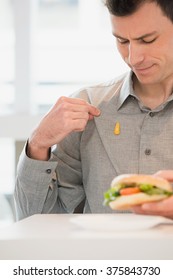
<point>79,125</point>
<point>166,174</point>
<point>91,117</point>
<point>144,209</point>
<point>79,115</point>
<point>90,109</point>
<point>94,111</point>
<point>79,105</point>
<point>137,209</point>
<point>153,207</point>
<point>72,100</point>
<point>160,206</point>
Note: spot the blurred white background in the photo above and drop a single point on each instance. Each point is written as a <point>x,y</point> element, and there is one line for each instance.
<point>48,48</point>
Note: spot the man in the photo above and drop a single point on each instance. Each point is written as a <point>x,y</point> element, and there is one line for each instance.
<point>123,126</point>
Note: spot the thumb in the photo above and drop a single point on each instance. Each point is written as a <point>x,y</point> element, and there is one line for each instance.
<point>166,174</point>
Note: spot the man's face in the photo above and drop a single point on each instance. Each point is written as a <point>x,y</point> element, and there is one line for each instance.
<point>145,42</point>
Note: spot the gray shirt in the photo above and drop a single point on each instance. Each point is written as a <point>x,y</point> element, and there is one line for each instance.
<point>83,165</point>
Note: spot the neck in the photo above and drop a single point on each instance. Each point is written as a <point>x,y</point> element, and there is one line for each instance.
<point>153,95</point>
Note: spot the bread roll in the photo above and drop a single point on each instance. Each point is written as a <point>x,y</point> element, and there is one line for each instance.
<point>124,202</point>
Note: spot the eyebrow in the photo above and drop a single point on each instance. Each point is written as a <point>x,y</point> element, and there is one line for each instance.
<point>138,38</point>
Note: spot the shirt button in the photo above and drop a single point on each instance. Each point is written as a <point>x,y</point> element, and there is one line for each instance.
<point>148,152</point>
<point>48,171</point>
<point>151,114</point>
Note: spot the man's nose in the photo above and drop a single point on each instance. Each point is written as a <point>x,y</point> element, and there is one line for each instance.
<point>135,55</point>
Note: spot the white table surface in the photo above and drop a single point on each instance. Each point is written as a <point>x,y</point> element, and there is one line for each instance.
<point>55,236</point>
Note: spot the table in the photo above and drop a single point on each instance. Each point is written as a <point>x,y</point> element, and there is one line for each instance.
<point>54,236</point>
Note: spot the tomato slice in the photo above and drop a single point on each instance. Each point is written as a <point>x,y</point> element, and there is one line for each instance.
<point>128,191</point>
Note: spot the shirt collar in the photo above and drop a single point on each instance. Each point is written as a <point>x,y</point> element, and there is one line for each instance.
<point>126,89</point>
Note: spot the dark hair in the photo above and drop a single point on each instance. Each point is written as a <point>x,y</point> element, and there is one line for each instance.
<point>127,7</point>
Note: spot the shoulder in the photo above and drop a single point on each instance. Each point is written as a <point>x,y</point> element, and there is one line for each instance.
<point>102,92</point>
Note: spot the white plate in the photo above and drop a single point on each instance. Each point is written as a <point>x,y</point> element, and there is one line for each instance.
<point>118,222</point>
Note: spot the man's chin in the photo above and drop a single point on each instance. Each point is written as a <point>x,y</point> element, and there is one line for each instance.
<point>144,80</point>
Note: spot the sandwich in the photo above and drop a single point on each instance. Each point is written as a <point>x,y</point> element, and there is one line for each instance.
<point>128,190</point>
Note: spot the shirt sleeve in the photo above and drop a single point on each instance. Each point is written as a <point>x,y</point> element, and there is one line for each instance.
<point>53,186</point>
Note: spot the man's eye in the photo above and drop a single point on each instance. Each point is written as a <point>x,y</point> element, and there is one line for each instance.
<point>122,41</point>
<point>148,42</point>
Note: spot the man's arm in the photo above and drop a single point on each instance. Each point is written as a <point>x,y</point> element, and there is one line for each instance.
<point>66,116</point>
<point>53,186</point>
<point>37,189</point>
